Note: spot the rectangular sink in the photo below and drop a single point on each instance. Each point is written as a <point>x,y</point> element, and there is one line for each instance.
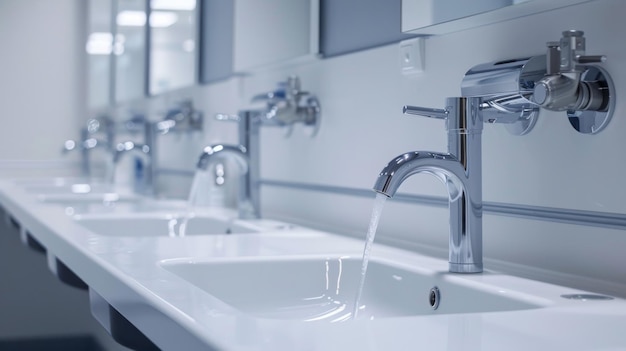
<point>165,225</point>
<point>324,289</point>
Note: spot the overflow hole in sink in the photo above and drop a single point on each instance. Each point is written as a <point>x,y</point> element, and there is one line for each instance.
<point>586,297</point>
<point>434,297</point>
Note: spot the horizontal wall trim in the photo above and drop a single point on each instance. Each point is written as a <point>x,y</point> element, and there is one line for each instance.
<point>551,214</point>
<point>38,164</point>
<point>176,172</point>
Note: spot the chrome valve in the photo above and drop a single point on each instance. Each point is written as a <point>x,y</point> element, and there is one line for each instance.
<point>563,88</point>
<point>573,84</point>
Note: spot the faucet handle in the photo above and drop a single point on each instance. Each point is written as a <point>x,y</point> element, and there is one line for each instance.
<point>224,117</point>
<point>426,112</point>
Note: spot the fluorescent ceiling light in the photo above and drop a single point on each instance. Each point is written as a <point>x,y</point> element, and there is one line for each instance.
<point>173,5</point>
<point>159,19</point>
<point>131,19</point>
<point>162,19</point>
<point>99,43</point>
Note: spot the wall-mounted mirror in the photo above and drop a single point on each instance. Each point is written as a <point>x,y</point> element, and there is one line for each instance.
<point>99,47</point>
<point>173,37</point>
<point>241,36</point>
<point>129,49</point>
<point>431,17</point>
<point>274,31</point>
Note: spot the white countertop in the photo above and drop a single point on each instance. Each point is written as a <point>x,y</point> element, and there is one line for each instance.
<point>176,315</point>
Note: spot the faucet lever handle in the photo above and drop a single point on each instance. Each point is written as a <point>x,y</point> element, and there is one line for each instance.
<point>590,59</point>
<point>426,112</point>
<point>227,117</point>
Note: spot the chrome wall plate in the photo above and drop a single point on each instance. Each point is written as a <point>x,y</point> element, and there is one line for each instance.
<point>592,122</point>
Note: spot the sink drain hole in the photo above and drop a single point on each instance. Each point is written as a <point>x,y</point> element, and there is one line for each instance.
<point>434,297</point>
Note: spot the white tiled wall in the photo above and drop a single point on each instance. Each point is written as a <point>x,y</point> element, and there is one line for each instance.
<point>362,129</point>
<point>41,86</point>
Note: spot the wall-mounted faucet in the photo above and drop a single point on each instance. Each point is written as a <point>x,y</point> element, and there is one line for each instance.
<point>563,80</point>
<point>182,117</point>
<point>289,104</point>
<point>294,106</point>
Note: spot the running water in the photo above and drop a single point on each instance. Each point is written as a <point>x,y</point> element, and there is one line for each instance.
<point>198,178</point>
<point>371,233</point>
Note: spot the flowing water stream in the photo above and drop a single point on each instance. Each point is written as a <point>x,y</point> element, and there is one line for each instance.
<point>379,204</point>
<point>198,178</point>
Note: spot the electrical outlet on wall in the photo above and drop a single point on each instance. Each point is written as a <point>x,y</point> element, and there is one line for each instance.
<point>412,56</point>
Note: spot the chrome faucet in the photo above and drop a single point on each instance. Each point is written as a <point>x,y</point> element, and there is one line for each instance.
<point>459,169</point>
<point>182,117</point>
<point>247,207</point>
<point>89,141</point>
<point>282,108</point>
<point>289,104</point>
<point>144,183</point>
<point>246,155</point>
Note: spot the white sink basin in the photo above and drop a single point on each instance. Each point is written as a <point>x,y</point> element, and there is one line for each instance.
<point>324,289</point>
<point>169,225</point>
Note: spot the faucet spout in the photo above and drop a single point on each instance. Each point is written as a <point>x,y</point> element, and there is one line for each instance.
<point>212,152</point>
<point>445,167</point>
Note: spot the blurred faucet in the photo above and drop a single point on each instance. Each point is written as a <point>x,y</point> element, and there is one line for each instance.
<point>246,205</point>
<point>289,104</point>
<point>89,140</point>
<point>144,172</point>
<point>183,117</point>
<point>144,177</point>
